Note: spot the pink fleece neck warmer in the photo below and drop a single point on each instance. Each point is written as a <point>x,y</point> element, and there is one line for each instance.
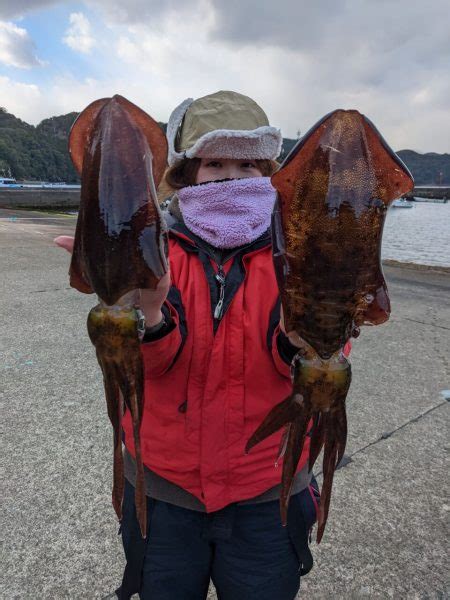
<point>228,214</point>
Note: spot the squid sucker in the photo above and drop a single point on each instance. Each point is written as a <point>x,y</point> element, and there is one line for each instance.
<point>120,246</point>
<point>334,190</point>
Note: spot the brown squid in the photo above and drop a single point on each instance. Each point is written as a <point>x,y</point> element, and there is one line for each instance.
<point>120,246</point>
<point>333,193</point>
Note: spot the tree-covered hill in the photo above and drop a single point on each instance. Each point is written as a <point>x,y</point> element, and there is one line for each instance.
<point>40,153</point>
<point>427,168</point>
<point>36,153</point>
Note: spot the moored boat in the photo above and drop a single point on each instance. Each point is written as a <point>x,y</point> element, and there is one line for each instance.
<point>402,203</point>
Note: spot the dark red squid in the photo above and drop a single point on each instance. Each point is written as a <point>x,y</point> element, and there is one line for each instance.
<point>334,190</point>
<point>120,246</point>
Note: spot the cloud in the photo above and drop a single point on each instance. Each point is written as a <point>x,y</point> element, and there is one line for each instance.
<point>79,35</point>
<point>361,25</point>
<point>10,9</point>
<point>21,99</point>
<point>17,49</point>
<point>145,12</point>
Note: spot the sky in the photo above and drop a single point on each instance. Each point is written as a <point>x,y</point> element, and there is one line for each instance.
<point>299,59</point>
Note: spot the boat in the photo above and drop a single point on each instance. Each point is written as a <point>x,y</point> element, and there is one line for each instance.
<point>402,203</point>
<point>9,182</point>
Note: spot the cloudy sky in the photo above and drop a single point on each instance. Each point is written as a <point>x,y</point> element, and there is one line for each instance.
<point>298,59</point>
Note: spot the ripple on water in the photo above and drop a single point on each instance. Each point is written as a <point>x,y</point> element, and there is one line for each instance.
<point>420,234</point>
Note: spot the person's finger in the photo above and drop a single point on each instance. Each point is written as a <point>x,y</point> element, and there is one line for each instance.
<point>282,327</point>
<point>65,241</point>
<point>295,339</point>
<point>164,281</point>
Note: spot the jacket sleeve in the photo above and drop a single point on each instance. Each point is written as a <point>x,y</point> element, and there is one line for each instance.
<point>282,352</point>
<point>161,350</point>
<point>278,344</point>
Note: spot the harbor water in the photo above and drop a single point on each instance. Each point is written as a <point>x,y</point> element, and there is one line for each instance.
<point>420,234</point>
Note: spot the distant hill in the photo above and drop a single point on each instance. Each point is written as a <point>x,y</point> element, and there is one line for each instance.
<point>36,153</point>
<point>427,168</point>
<point>40,153</point>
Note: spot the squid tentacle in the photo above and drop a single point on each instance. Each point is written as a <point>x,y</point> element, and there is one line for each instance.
<point>329,427</point>
<point>335,438</point>
<point>282,414</point>
<point>283,443</point>
<point>329,465</point>
<point>294,447</point>
<point>114,403</point>
<point>131,384</point>
<point>317,437</point>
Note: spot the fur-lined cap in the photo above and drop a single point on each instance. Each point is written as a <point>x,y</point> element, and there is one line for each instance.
<point>221,125</point>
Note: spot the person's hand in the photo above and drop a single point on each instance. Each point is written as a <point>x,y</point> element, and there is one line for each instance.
<point>150,301</point>
<point>292,336</point>
<point>66,242</point>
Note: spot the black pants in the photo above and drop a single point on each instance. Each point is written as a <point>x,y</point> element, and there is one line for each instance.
<point>244,549</point>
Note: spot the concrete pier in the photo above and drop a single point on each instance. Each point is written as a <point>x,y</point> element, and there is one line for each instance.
<point>386,532</point>
<point>42,198</point>
<point>62,199</point>
<point>438,192</point>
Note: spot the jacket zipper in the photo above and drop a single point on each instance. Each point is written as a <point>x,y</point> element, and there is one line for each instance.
<point>220,278</point>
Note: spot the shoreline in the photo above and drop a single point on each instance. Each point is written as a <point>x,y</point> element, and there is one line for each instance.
<point>390,262</point>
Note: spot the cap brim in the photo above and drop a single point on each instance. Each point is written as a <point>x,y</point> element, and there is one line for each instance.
<point>261,143</point>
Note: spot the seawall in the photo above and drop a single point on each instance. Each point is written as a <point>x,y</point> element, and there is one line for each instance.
<point>70,198</point>
<point>39,198</point>
<point>438,192</point>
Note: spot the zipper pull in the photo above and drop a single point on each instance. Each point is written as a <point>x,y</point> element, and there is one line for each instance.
<point>220,277</point>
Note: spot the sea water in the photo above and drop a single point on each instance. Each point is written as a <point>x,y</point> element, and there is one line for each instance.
<point>420,234</point>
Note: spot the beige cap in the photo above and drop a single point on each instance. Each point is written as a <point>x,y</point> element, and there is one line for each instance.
<point>221,125</point>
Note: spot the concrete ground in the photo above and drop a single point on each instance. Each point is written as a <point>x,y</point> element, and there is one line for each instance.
<point>386,533</point>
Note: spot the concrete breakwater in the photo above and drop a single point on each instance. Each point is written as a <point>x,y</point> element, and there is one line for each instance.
<point>435,192</point>
<point>39,198</point>
<point>70,198</point>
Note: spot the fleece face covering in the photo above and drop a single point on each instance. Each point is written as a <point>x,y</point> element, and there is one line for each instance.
<point>228,214</point>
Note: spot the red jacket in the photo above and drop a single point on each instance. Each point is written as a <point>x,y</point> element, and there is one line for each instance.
<point>206,393</point>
